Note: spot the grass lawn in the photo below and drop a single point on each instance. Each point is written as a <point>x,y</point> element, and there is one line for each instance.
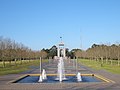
<point>97,65</point>
<point>19,68</point>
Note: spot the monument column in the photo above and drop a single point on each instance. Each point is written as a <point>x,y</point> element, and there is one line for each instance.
<point>58,52</point>
<point>64,52</point>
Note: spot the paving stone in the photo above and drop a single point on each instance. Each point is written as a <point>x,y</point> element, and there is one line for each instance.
<point>69,68</point>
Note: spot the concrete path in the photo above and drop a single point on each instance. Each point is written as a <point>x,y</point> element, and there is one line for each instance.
<point>70,67</point>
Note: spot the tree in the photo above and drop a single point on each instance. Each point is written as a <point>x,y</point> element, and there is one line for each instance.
<point>53,51</point>
<point>43,54</point>
<point>78,53</point>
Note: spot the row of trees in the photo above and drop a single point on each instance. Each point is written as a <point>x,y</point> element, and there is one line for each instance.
<point>101,52</point>
<point>106,52</point>
<point>12,51</point>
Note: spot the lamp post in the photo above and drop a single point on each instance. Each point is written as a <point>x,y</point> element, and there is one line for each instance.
<point>40,65</point>
<point>76,65</point>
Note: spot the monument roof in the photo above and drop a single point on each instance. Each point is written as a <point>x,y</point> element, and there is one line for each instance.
<point>61,44</point>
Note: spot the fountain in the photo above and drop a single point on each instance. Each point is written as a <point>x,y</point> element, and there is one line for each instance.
<point>79,78</point>
<point>60,76</point>
<point>40,79</point>
<point>43,76</point>
<point>61,70</point>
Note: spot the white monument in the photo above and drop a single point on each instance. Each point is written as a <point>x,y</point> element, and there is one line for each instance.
<point>61,52</point>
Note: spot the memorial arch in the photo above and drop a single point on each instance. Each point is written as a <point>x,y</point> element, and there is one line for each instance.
<point>61,50</point>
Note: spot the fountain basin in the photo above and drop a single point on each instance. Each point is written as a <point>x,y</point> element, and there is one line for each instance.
<point>71,78</point>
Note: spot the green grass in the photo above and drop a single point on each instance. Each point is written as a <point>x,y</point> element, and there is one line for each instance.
<point>12,69</point>
<point>97,65</point>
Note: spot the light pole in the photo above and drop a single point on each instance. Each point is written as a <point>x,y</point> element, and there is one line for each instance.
<point>76,65</point>
<point>40,65</point>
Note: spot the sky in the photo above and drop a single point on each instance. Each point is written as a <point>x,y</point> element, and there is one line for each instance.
<point>40,23</point>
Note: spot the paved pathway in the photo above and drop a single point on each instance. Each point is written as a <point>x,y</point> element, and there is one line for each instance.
<point>52,68</point>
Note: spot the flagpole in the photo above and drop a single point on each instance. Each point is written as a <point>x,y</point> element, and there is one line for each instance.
<point>61,39</point>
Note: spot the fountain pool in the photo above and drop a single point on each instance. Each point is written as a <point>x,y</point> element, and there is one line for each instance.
<point>70,79</point>
<point>60,76</point>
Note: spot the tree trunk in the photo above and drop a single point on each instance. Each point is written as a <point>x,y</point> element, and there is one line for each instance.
<point>106,60</point>
<point>3,63</point>
<point>118,62</point>
<point>29,59</point>
<point>101,61</point>
<point>111,62</point>
<point>15,63</point>
<point>10,62</point>
<point>97,59</point>
<point>21,61</point>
